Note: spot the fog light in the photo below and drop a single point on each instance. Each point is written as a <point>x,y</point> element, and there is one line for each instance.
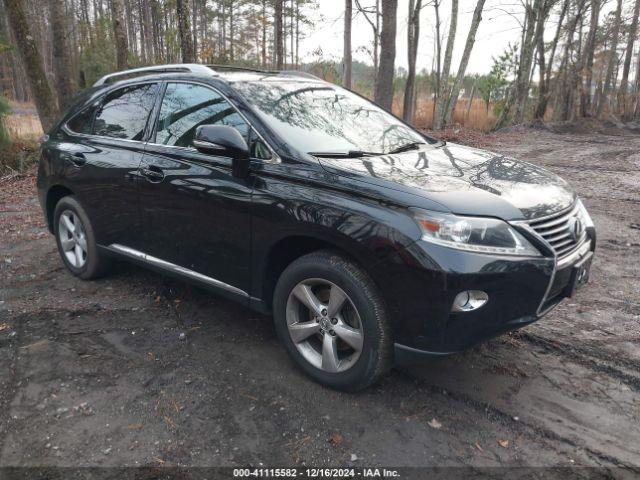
<point>469,300</point>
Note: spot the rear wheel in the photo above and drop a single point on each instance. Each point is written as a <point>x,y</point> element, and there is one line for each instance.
<point>331,318</point>
<point>76,240</point>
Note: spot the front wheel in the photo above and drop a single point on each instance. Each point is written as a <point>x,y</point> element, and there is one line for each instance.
<point>332,320</point>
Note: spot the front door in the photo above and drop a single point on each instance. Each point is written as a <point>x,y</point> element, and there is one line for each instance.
<point>196,214</point>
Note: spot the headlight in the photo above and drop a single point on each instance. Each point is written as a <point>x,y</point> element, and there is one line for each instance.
<point>584,216</point>
<point>476,234</point>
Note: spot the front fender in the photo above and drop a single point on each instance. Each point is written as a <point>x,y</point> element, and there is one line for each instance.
<point>300,204</point>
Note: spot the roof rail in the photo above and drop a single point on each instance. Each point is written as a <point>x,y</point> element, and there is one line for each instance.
<point>217,66</point>
<point>299,73</point>
<point>176,67</point>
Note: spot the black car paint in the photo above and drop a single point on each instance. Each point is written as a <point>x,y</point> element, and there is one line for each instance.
<point>203,218</point>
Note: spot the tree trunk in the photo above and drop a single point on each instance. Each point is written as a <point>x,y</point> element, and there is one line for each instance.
<point>384,79</point>
<point>413,37</point>
<point>232,33</point>
<point>526,59</point>
<point>30,56</point>
<point>194,28</point>
<point>292,52</point>
<point>119,33</point>
<point>437,57</point>
<point>611,64</point>
<point>130,24</point>
<point>574,70</point>
<point>346,52</point>
<point>376,45</point>
<point>473,91</point>
<point>62,63</point>
<point>264,33</point>
<point>278,27</point>
<point>443,95</point>
<point>589,49</point>
<point>622,96</point>
<point>543,84</point>
<point>184,31</point>
<point>468,47</point>
<point>375,27</point>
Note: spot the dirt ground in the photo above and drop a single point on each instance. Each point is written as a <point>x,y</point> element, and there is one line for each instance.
<point>98,374</point>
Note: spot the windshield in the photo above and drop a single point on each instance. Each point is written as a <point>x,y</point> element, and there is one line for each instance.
<point>320,118</point>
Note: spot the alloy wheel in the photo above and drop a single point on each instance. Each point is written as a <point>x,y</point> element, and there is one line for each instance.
<point>73,238</point>
<point>324,325</point>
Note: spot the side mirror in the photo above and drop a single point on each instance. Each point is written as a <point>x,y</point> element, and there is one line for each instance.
<point>226,141</point>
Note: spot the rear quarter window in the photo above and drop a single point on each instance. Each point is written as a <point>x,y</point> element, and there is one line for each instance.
<point>124,112</point>
<point>83,121</point>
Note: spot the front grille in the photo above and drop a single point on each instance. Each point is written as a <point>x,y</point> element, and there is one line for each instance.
<point>557,229</point>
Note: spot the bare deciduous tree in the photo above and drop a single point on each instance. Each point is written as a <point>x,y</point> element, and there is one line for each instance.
<point>375,27</point>
<point>62,62</point>
<point>278,35</point>
<point>633,30</point>
<point>384,78</point>
<point>120,33</point>
<point>543,67</point>
<point>464,61</point>
<point>443,97</point>
<point>30,56</point>
<point>184,31</point>
<point>526,59</point>
<point>612,60</point>
<point>347,63</point>
<point>413,37</point>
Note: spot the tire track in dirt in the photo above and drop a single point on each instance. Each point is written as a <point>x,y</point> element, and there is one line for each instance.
<point>9,358</point>
<point>523,427</point>
<point>586,356</point>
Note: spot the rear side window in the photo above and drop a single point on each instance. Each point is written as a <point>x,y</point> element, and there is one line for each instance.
<point>186,106</point>
<point>124,112</point>
<point>83,121</point>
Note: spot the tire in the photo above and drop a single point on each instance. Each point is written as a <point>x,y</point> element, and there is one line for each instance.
<point>88,263</point>
<point>360,331</point>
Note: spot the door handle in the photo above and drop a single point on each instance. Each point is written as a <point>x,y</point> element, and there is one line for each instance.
<point>152,173</point>
<point>77,158</point>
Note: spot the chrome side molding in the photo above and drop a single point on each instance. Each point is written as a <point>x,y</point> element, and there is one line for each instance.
<point>205,144</point>
<point>172,267</point>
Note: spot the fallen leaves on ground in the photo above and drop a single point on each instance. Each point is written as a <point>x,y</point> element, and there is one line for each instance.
<point>433,423</point>
<point>503,443</point>
<point>336,439</point>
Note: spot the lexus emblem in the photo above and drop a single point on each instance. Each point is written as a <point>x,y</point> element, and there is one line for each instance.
<point>575,228</point>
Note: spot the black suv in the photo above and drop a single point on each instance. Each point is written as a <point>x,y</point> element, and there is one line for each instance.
<point>368,241</point>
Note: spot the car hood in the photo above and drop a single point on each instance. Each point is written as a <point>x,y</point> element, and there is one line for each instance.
<point>464,180</point>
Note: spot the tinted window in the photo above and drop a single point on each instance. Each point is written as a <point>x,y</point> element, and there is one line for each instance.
<point>82,122</point>
<point>124,112</point>
<point>187,106</point>
<point>258,148</point>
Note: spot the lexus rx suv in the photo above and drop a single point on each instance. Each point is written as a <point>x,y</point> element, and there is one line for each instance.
<point>369,242</point>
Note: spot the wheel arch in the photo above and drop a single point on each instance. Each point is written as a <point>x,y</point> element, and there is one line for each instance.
<point>54,195</point>
<point>287,249</point>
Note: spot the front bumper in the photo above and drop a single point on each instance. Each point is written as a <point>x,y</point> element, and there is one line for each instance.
<point>421,282</point>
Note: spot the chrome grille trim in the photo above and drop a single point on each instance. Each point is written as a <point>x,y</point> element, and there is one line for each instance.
<point>554,230</point>
<point>554,219</point>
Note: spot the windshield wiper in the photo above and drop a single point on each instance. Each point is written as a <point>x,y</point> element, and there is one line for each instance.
<point>407,147</point>
<point>349,154</point>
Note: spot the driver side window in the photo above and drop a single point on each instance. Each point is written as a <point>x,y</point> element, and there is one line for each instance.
<point>187,106</point>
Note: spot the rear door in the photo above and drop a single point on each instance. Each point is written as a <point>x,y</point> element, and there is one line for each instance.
<point>195,212</point>
<point>103,158</point>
